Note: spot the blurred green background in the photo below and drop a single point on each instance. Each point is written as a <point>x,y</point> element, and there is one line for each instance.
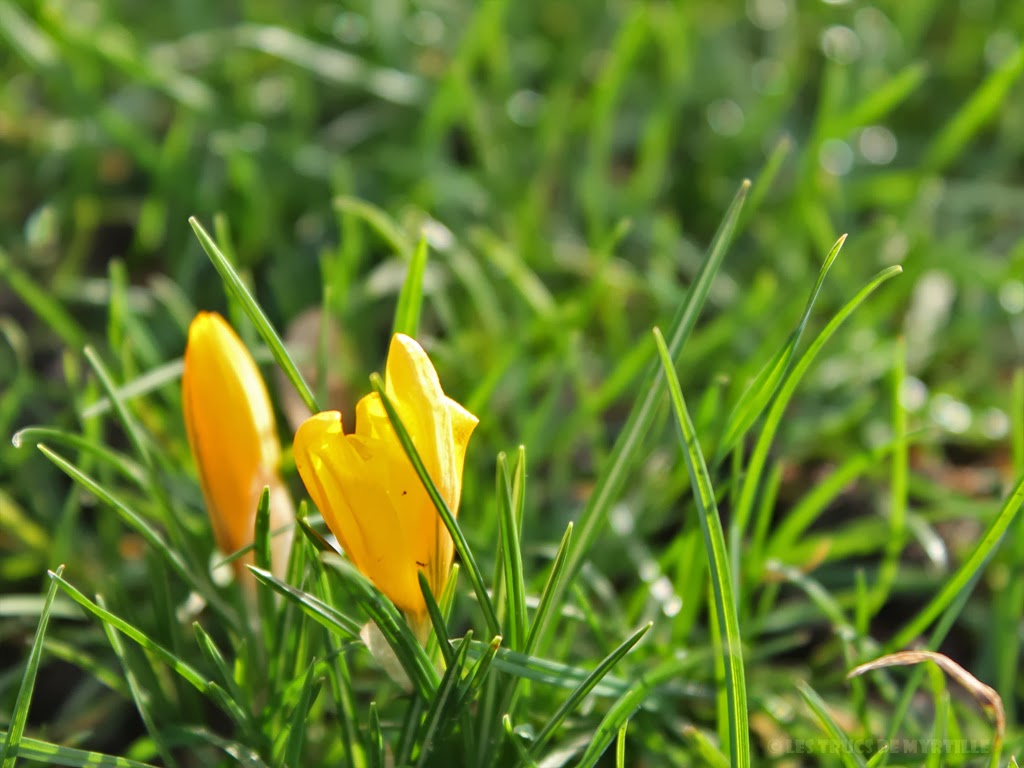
<point>568,163</point>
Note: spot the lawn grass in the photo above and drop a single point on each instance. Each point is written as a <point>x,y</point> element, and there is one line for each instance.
<point>673,546</point>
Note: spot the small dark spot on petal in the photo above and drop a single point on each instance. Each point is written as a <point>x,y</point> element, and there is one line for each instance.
<point>405,493</point>
<point>421,565</point>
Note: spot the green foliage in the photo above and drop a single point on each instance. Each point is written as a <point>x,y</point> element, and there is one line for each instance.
<point>673,548</point>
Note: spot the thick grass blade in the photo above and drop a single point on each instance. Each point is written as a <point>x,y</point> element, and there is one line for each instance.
<point>19,716</point>
<point>374,739</point>
<point>410,298</point>
<point>54,754</point>
<point>546,605</point>
<point>718,563</point>
<point>237,288</point>
<point>576,697</point>
<point>461,545</point>
<point>966,575</point>
<point>630,441</point>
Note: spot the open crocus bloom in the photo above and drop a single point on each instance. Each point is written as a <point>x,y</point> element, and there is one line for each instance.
<point>231,432</point>
<point>367,489</point>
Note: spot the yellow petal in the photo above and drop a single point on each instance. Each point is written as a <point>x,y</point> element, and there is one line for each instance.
<point>367,494</point>
<point>230,425</point>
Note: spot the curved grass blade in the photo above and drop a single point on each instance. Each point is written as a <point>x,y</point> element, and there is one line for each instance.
<point>461,545</point>
<point>630,441</point>
<point>132,429</point>
<point>760,392</point>
<point>19,717</point>
<point>759,456</point>
<point>237,288</point>
<point>966,575</point>
<point>123,464</point>
<point>718,564</point>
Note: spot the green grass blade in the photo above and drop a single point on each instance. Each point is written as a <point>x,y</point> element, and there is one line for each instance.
<point>546,606</point>
<point>42,302</point>
<point>19,716</point>
<point>759,456</point>
<point>461,545</point>
<point>851,758</point>
<point>323,614</point>
<point>511,555</point>
<point>396,632</point>
<point>125,465</point>
<point>630,441</point>
<point>437,620</point>
<point>751,405</point>
<point>374,740</point>
<point>718,563</point>
<point>979,109</point>
<point>966,575</point>
<point>131,427</point>
<point>54,754</point>
<point>440,709</point>
<point>576,697</point>
<point>410,298</point>
<point>299,717</point>
<point>237,288</point>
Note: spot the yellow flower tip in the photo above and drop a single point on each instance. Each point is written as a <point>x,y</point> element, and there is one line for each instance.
<point>231,431</point>
<point>367,489</point>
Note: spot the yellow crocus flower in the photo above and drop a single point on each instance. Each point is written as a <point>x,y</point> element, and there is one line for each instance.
<point>367,489</point>
<point>233,437</point>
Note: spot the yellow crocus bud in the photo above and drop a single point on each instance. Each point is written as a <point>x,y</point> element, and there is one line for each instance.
<point>231,431</point>
<point>367,489</point>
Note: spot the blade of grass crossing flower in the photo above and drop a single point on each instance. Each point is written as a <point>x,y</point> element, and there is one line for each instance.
<point>718,564</point>
<point>511,554</point>
<point>19,716</point>
<point>576,697</point>
<point>461,545</point>
<point>752,404</point>
<point>759,456</point>
<point>441,709</point>
<point>629,444</point>
<point>264,328</point>
<point>408,651</point>
<point>138,688</point>
<point>437,620</point>
<point>410,298</point>
<point>323,614</point>
<point>54,754</point>
<point>966,575</point>
<point>851,758</point>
